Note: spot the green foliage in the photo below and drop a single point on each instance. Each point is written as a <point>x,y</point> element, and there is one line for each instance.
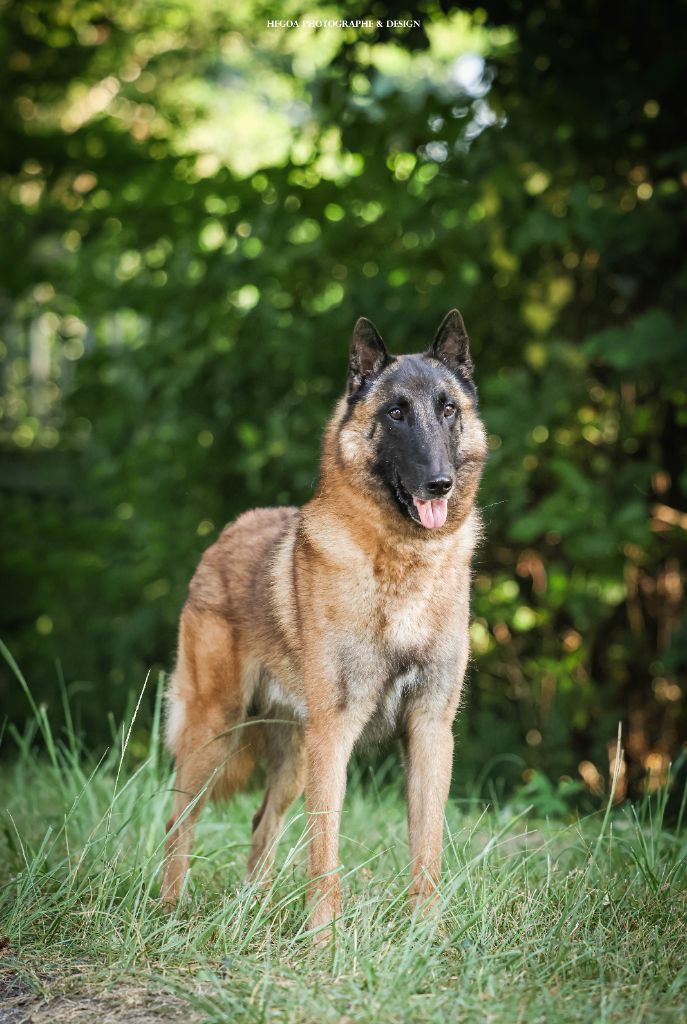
<point>547,800</point>
<point>198,208</point>
<point>653,339</point>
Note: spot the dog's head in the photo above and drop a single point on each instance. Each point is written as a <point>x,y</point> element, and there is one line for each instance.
<point>408,430</point>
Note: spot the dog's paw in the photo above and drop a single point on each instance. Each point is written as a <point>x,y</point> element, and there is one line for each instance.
<point>424,900</point>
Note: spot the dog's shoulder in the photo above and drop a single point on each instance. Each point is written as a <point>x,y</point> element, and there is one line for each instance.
<point>230,568</point>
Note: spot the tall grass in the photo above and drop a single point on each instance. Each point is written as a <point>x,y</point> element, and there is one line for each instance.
<point>579,920</point>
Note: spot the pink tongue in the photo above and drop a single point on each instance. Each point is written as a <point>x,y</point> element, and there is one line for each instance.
<point>432,513</point>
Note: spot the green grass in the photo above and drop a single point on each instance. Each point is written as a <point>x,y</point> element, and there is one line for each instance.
<point>541,920</point>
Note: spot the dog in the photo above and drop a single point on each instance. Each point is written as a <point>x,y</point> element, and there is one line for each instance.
<point>309,630</point>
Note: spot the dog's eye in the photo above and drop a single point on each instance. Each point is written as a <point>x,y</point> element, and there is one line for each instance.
<point>449,410</point>
<point>396,413</point>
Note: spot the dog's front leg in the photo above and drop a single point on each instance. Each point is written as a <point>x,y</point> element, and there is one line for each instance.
<point>429,760</point>
<point>329,740</point>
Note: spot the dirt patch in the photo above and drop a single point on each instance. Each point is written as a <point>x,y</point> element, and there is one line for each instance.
<point>14,995</point>
<point>22,1003</point>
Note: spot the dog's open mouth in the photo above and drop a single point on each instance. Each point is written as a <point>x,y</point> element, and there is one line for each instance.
<point>430,514</point>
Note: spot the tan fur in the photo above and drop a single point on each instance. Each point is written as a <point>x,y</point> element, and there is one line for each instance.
<point>348,620</point>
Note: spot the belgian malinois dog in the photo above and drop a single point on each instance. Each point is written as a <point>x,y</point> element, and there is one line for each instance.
<point>308,630</point>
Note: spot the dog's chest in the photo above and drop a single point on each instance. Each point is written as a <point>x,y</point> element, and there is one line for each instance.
<point>391,624</point>
<point>392,648</point>
<point>406,613</point>
<point>394,608</point>
<point>375,682</point>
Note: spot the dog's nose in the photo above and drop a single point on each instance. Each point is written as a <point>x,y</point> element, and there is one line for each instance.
<point>439,486</point>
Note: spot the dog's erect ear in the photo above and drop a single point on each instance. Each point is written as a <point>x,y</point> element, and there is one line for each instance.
<point>451,345</point>
<point>368,354</point>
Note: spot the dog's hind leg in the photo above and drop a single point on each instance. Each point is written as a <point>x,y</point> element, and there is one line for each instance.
<point>200,760</point>
<point>204,710</point>
<point>285,756</point>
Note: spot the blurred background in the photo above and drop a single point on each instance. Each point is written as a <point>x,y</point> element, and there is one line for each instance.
<point>197,205</point>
